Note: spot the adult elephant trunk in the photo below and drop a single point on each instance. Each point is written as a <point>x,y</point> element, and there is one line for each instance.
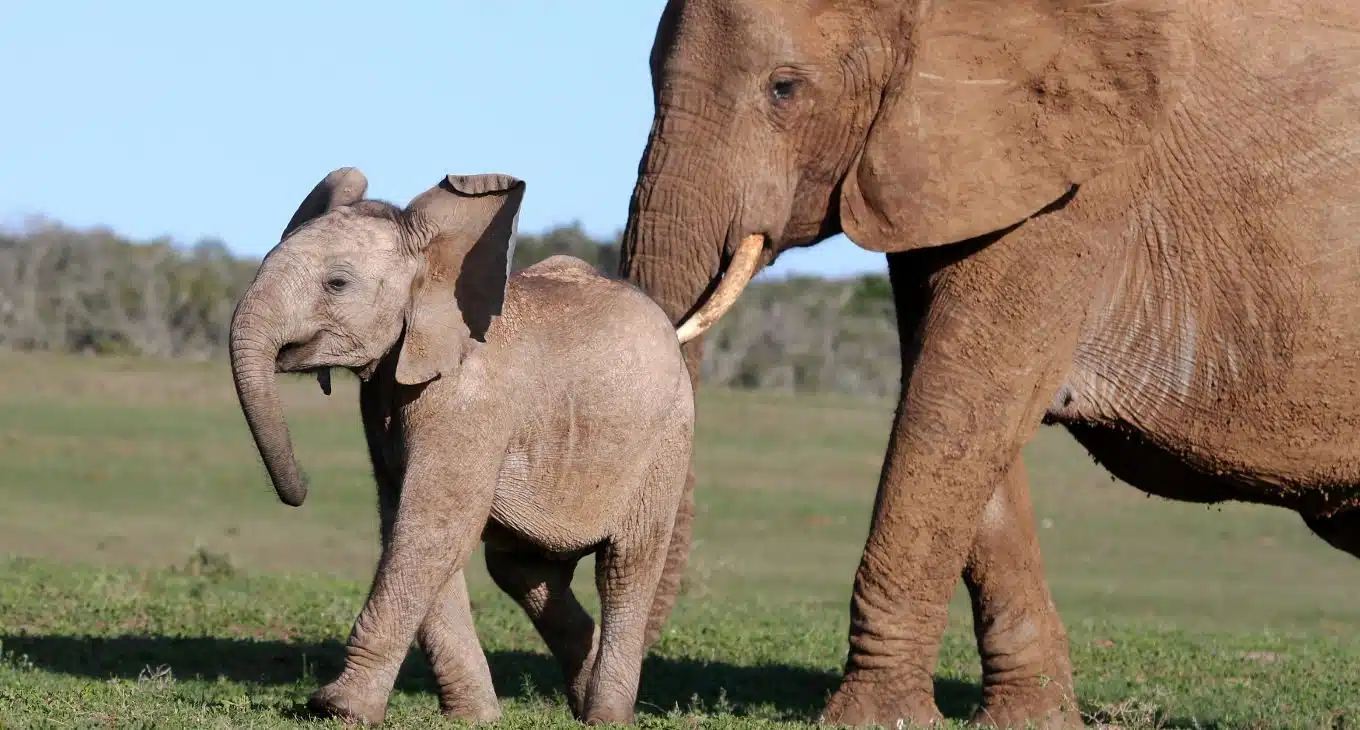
<point>672,249</point>
<point>256,339</point>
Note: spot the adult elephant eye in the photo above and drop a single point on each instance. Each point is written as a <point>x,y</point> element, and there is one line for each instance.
<point>337,284</point>
<point>782,90</point>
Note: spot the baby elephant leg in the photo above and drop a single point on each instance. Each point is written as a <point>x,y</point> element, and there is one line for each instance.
<point>627,571</point>
<point>429,539</point>
<point>542,587</point>
<point>449,640</point>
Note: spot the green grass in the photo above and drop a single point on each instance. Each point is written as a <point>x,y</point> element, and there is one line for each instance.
<point>152,578</point>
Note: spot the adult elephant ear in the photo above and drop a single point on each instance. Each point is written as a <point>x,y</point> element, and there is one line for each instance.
<point>471,222</point>
<point>999,107</point>
<point>343,186</point>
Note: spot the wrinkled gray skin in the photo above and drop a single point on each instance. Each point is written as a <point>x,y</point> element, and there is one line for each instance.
<point>548,413</point>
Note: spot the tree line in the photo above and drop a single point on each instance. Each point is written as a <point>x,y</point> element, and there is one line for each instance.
<point>92,291</point>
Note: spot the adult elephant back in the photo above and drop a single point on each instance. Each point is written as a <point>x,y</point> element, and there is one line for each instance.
<point>1136,219</point>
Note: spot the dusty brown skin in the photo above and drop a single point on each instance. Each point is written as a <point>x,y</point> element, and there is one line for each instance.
<point>547,413</point>
<point>1136,219</point>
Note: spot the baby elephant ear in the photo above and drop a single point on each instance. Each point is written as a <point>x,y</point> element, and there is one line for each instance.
<point>471,222</point>
<point>345,186</point>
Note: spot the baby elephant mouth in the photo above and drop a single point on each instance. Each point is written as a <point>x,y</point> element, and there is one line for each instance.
<point>293,358</point>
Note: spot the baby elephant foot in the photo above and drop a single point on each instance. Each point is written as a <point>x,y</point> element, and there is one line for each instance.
<point>470,712</point>
<point>351,707</point>
<point>859,702</point>
<point>609,708</point>
<point>609,716</point>
<point>578,669</point>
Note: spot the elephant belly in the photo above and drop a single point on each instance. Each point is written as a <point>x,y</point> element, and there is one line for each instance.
<point>1193,476</point>
<point>1150,467</point>
<point>1289,441</point>
<point>1220,357</point>
<point>566,496</point>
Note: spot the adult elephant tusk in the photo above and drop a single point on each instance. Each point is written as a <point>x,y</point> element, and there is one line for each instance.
<point>739,272</point>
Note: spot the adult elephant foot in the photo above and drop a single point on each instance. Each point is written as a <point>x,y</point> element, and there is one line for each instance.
<point>1038,694</point>
<point>1039,711</point>
<point>1026,669</point>
<point>859,702</point>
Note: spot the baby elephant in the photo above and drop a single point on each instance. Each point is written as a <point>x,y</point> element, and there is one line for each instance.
<point>547,413</point>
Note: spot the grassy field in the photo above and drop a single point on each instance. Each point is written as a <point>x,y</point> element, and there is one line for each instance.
<point>150,577</point>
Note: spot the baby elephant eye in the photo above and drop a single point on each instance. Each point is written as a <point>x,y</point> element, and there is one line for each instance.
<point>783,89</point>
<point>336,284</point>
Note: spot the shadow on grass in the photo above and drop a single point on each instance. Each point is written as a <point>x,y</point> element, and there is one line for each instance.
<point>795,693</point>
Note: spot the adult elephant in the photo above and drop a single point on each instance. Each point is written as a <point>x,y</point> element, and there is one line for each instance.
<point>1135,218</point>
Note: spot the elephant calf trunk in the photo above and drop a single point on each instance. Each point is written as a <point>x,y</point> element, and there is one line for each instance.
<point>252,366</point>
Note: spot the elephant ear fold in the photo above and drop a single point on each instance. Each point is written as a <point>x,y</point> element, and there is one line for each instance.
<point>345,186</point>
<point>1003,107</point>
<point>472,221</point>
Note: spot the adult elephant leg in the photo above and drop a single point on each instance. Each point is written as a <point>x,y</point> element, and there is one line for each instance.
<point>677,553</point>
<point>1026,670</point>
<point>677,558</point>
<point>998,331</point>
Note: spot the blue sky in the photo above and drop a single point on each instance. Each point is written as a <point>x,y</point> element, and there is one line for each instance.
<point>201,120</point>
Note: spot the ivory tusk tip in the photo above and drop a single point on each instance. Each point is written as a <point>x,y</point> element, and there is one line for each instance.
<point>742,267</point>
<point>688,331</point>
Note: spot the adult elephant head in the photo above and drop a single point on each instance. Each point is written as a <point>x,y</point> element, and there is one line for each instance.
<point>905,124</point>
<point>902,123</point>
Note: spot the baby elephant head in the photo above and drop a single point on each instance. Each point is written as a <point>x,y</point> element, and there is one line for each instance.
<point>354,280</point>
